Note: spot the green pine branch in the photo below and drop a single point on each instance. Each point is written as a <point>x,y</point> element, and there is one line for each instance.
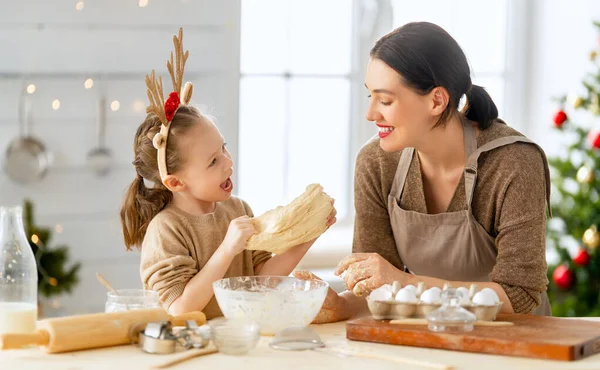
<point>578,207</point>
<point>54,277</point>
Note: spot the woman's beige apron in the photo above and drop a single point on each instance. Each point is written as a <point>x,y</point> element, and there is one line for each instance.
<point>451,246</point>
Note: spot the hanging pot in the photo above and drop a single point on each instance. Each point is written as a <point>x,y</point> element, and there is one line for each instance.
<point>100,158</point>
<point>26,158</point>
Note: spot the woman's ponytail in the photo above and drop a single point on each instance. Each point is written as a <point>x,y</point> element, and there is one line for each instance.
<point>480,107</point>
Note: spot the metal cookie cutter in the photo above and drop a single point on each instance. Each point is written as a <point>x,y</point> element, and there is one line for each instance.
<point>159,337</point>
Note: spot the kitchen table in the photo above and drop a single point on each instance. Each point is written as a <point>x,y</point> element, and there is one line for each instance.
<point>263,357</point>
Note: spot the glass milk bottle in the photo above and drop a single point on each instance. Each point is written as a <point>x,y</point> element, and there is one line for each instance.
<point>18,275</point>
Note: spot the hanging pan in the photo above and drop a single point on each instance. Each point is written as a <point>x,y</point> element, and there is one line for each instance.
<point>100,157</point>
<point>26,158</point>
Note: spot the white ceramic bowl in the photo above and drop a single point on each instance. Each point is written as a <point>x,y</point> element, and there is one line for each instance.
<point>274,302</point>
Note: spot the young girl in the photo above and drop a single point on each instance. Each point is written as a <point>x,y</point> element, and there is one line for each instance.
<point>191,230</point>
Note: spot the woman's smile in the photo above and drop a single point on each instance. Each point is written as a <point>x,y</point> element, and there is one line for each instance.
<point>384,130</point>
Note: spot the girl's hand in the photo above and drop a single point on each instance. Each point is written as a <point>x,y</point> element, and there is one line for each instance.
<point>368,271</point>
<point>334,307</point>
<point>240,230</point>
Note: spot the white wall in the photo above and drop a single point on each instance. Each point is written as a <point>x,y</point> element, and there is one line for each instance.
<point>116,43</point>
<point>56,47</point>
<point>562,35</point>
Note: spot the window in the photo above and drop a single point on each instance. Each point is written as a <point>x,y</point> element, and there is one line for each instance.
<point>302,99</point>
<point>482,30</point>
<point>295,90</point>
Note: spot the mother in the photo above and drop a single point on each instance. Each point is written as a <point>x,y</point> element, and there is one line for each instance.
<point>443,195</point>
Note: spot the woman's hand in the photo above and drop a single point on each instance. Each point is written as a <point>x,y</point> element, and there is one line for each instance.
<point>365,272</point>
<point>334,307</point>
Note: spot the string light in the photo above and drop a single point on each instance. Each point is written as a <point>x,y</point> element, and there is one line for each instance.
<point>79,6</point>
<point>143,3</point>
<point>56,104</point>
<point>56,304</point>
<point>31,88</point>
<point>35,239</point>
<point>59,228</point>
<point>88,83</point>
<point>115,105</point>
<point>139,106</point>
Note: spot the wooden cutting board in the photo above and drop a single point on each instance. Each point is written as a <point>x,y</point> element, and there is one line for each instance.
<point>531,336</point>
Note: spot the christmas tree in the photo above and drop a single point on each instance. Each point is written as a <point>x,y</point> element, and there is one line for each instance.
<point>54,277</point>
<point>574,288</point>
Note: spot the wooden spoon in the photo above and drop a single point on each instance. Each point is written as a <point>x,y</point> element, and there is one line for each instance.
<point>192,353</point>
<point>105,282</point>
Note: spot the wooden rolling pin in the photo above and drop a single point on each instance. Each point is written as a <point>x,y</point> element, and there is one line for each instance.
<point>74,333</point>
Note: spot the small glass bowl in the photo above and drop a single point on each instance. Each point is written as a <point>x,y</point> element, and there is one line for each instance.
<point>131,299</point>
<point>234,336</point>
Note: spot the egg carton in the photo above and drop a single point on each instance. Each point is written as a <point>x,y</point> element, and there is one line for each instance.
<point>392,309</point>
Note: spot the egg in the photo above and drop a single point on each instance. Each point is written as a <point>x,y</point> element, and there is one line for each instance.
<point>406,296</point>
<point>411,287</point>
<point>383,293</point>
<point>464,292</point>
<point>492,293</point>
<point>431,295</point>
<point>483,299</point>
<point>435,289</point>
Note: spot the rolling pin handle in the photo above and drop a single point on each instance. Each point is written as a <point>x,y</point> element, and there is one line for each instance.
<point>19,340</point>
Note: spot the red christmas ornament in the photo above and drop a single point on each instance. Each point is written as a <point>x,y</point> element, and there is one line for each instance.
<point>595,139</point>
<point>171,105</point>
<point>559,118</point>
<point>582,258</point>
<point>563,277</point>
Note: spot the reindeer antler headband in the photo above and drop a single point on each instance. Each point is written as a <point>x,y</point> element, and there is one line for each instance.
<point>165,110</point>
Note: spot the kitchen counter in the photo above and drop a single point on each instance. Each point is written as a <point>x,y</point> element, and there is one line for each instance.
<point>263,357</point>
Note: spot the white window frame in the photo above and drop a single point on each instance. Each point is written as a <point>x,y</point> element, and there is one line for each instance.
<point>517,59</point>
<point>371,20</point>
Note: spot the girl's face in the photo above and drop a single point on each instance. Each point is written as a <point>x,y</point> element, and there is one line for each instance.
<point>403,117</point>
<point>207,165</point>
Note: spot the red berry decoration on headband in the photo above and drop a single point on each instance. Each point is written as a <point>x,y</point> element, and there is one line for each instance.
<point>171,105</point>
<point>559,118</point>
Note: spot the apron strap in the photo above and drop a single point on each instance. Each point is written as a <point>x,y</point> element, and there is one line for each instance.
<point>470,147</point>
<point>469,136</point>
<point>472,153</point>
<point>401,172</point>
<point>471,166</point>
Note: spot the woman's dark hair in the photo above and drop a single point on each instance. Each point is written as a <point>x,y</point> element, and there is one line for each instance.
<point>426,57</point>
